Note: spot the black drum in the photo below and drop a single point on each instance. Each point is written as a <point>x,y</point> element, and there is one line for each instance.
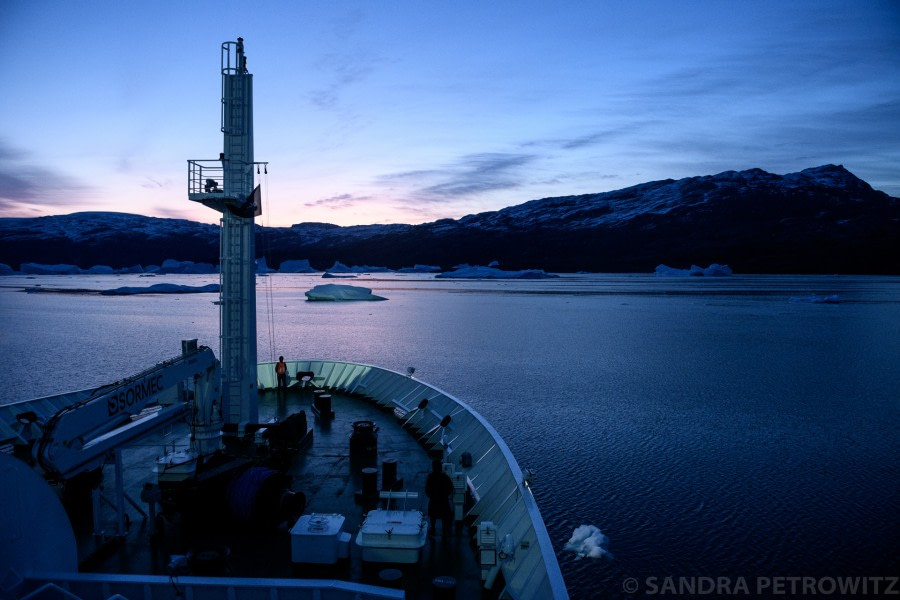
<point>364,439</point>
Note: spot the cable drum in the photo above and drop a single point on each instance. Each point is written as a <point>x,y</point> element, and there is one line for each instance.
<point>260,496</point>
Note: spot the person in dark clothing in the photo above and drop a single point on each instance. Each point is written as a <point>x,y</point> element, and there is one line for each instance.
<point>281,373</point>
<point>439,489</point>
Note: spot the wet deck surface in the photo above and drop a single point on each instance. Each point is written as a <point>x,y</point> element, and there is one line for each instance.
<point>325,473</point>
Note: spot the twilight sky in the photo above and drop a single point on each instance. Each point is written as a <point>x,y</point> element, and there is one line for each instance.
<point>409,111</point>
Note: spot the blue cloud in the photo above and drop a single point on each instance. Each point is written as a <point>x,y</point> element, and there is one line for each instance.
<point>468,176</point>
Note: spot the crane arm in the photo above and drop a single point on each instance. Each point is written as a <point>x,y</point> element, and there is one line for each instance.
<point>78,437</point>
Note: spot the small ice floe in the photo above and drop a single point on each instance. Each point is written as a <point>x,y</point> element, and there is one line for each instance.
<point>336,293</point>
<point>162,288</point>
<point>588,541</point>
<point>816,299</point>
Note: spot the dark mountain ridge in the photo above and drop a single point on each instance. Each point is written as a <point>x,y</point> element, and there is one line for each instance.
<point>820,220</point>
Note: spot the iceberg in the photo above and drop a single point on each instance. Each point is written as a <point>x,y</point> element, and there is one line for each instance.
<point>131,269</point>
<point>162,288</point>
<point>587,541</point>
<point>339,267</point>
<point>420,269</point>
<point>339,293</point>
<point>185,267</point>
<point>468,272</point>
<point>38,269</point>
<point>5,269</point>
<point>296,266</point>
<point>100,270</point>
<point>261,267</point>
<point>713,270</point>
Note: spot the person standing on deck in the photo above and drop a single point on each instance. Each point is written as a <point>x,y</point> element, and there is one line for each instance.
<point>281,374</point>
<point>439,489</point>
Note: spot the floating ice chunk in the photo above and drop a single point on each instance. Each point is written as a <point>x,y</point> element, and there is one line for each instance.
<point>336,292</point>
<point>667,271</point>
<point>100,270</point>
<point>467,272</point>
<point>171,266</point>
<point>327,275</point>
<point>162,288</point>
<point>296,266</point>
<point>38,269</point>
<point>420,269</point>
<point>587,541</point>
<point>713,270</point>
<point>339,267</point>
<point>717,270</point>
<point>261,267</point>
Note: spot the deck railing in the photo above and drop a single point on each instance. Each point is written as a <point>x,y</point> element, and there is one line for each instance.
<point>99,586</point>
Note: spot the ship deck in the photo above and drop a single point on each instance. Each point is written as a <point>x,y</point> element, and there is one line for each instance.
<point>325,473</point>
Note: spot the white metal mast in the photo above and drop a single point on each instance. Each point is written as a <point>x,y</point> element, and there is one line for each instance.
<point>226,185</point>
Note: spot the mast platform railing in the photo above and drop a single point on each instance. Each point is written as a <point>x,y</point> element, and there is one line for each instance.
<point>206,179</point>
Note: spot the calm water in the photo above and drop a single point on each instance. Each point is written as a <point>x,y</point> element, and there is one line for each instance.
<point>710,428</point>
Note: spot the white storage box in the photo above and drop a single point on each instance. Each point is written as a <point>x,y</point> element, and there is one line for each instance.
<point>393,536</point>
<point>317,538</point>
